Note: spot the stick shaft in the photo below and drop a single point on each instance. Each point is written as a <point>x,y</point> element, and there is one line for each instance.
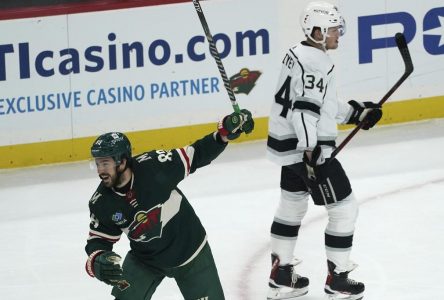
<point>404,50</point>
<point>216,56</point>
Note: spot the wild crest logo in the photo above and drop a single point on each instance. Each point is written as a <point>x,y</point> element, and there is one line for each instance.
<point>146,225</point>
<point>244,81</point>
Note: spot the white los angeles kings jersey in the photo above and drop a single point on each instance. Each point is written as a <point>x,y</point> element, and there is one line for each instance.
<point>306,110</point>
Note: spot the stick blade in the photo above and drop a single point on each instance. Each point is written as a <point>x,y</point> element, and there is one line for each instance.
<point>403,48</point>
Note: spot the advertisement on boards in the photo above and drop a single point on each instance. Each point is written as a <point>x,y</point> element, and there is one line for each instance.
<point>73,76</point>
<point>135,69</point>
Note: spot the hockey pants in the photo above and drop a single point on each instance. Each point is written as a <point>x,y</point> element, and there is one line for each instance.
<point>196,280</point>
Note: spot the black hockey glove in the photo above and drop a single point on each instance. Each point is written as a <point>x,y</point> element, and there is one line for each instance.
<point>233,125</point>
<point>367,112</point>
<point>313,162</point>
<point>105,266</point>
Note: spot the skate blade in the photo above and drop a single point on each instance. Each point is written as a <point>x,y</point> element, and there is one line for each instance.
<point>277,293</point>
<point>344,297</point>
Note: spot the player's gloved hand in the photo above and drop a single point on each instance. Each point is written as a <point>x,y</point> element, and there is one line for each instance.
<point>233,125</point>
<point>368,112</point>
<point>105,266</point>
<point>312,160</point>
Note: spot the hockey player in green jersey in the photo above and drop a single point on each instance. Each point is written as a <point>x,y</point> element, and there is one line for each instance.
<point>139,197</point>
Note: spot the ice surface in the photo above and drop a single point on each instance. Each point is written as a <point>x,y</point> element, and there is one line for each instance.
<point>397,173</point>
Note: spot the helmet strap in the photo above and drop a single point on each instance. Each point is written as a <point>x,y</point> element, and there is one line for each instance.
<point>323,42</point>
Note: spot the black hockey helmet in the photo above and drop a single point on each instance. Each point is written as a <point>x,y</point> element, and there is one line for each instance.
<point>114,144</point>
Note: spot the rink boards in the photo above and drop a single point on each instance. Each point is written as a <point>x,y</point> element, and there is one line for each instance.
<point>66,78</point>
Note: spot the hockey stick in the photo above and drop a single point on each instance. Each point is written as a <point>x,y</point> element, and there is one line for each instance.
<point>215,54</point>
<point>404,50</point>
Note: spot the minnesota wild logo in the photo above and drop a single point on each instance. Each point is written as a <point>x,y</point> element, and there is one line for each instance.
<point>244,81</point>
<point>146,225</point>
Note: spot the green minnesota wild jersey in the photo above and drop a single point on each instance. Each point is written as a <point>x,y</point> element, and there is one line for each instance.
<point>158,220</point>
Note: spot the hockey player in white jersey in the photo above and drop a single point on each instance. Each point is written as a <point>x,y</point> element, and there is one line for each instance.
<point>302,133</point>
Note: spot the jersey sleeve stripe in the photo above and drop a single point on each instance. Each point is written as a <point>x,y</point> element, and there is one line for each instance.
<point>185,160</point>
<point>282,145</point>
<point>97,234</point>
<point>309,100</point>
<point>307,107</point>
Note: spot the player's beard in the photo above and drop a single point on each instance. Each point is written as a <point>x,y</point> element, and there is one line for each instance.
<point>112,180</point>
<point>109,180</point>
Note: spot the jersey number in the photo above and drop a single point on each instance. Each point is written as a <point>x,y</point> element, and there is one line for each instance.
<point>163,155</point>
<point>282,97</point>
<point>311,83</point>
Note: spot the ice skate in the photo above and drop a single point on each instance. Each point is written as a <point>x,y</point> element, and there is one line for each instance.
<point>339,286</point>
<point>284,282</point>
